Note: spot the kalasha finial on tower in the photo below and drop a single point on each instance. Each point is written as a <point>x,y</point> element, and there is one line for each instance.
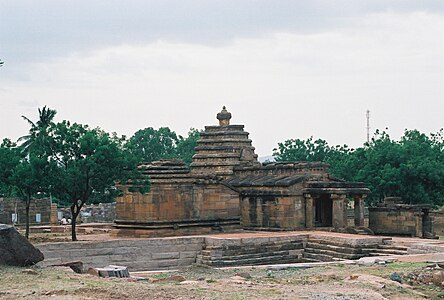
<point>224,117</point>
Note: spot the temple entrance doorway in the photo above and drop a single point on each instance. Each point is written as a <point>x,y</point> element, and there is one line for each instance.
<point>323,211</point>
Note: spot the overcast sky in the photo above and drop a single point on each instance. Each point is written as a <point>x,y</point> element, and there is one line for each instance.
<point>285,69</point>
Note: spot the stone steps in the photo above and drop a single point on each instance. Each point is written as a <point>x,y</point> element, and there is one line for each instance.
<point>253,254</point>
<point>386,251</point>
<point>339,249</point>
<point>334,254</point>
<point>316,257</point>
<point>283,251</point>
<point>257,260</point>
<point>393,247</point>
<point>296,253</point>
<point>260,260</point>
<point>378,254</point>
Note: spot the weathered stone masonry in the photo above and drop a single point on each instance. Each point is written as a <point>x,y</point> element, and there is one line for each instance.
<point>226,187</point>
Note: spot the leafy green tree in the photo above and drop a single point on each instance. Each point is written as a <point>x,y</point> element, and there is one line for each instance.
<point>9,159</point>
<point>31,175</point>
<point>412,168</point>
<point>37,139</point>
<point>148,144</point>
<point>422,167</point>
<point>186,146</point>
<point>90,161</point>
<point>315,150</point>
<point>22,176</point>
<point>302,150</point>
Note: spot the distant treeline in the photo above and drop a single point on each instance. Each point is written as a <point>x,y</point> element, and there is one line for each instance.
<point>411,168</point>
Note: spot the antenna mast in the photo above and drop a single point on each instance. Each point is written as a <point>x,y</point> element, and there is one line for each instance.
<point>368,125</point>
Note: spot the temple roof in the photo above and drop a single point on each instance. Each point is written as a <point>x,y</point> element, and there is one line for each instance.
<point>267,181</point>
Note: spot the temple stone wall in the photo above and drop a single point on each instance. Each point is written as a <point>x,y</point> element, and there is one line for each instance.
<point>273,212</point>
<point>172,202</point>
<point>226,183</point>
<point>395,221</point>
<point>438,222</point>
<point>9,206</point>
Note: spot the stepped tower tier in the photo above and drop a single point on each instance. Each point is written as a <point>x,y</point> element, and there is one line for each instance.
<point>222,148</point>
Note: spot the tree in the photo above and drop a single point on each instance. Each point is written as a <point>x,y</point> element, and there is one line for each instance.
<point>30,177</point>
<point>31,174</point>
<point>148,144</point>
<point>186,146</point>
<point>412,168</point>
<point>37,139</point>
<point>9,159</point>
<point>300,150</point>
<point>22,175</point>
<point>89,161</point>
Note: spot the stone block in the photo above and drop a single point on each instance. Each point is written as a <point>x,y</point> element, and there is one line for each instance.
<point>219,242</point>
<point>167,255</point>
<point>255,240</point>
<point>188,254</point>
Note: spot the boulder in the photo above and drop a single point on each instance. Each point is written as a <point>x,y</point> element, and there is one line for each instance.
<point>15,249</point>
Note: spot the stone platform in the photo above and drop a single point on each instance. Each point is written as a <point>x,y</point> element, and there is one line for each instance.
<point>220,250</point>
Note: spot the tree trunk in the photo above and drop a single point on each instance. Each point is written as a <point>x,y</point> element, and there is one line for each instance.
<point>27,204</point>
<point>76,207</point>
<point>74,214</point>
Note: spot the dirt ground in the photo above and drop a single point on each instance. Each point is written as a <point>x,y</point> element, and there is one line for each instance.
<point>413,280</point>
<point>418,281</point>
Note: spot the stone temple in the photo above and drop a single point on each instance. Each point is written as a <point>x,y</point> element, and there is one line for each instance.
<point>226,188</point>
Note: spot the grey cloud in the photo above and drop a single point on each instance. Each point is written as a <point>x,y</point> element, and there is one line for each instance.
<point>37,30</point>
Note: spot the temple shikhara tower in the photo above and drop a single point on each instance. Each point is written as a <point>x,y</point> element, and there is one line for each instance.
<point>227,188</point>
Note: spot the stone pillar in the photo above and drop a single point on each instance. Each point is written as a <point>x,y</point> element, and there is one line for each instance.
<point>53,215</point>
<point>359,210</point>
<point>309,211</point>
<point>418,223</point>
<point>345,208</point>
<point>339,214</point>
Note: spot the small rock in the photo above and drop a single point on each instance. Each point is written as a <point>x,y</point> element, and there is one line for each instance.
<point>176,278</point>
<point>139,278</point>
<point>244,275</point>
<point>353,277</point>
<point>76,266</point>
<point>92,271</point>
<point>65,269</point>
<point>189,282</point>
<point>438,277</point>
<point>396,277</point>
<point>30,272</point>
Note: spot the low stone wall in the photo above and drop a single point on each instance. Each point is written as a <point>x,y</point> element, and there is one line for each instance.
<point>438,222</point>
<point>39,211</point>
<point>226,250</point>
<point>137,255</point>
<point>395,221</point>
<point>94,213</point>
